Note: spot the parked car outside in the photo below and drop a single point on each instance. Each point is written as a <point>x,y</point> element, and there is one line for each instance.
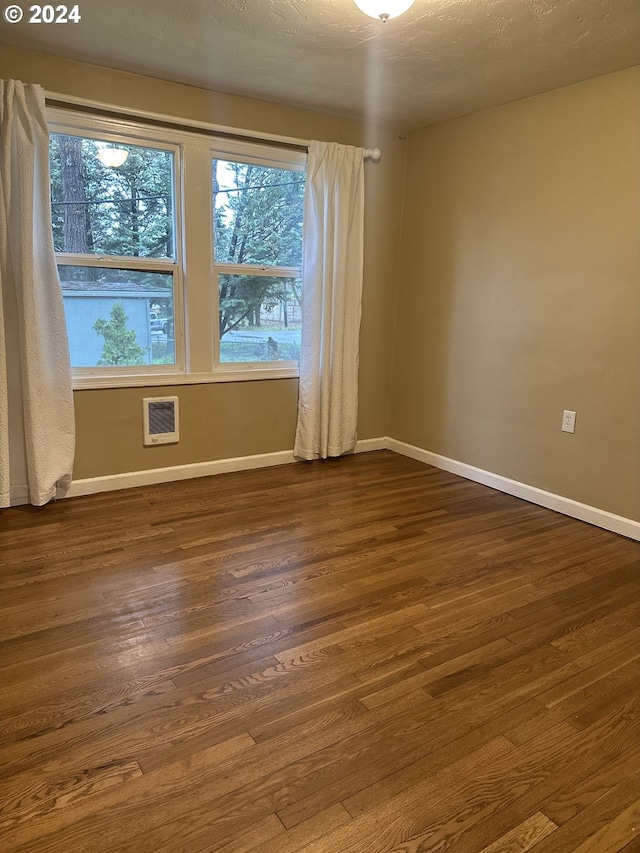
<point>157,324</point>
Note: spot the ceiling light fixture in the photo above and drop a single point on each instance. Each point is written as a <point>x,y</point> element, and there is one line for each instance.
<point>112,157</point>
<point>384,9</point>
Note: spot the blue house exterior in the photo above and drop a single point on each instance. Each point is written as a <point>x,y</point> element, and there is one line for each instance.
<point>86,302</point>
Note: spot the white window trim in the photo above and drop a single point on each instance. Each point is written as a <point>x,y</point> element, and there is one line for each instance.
<point>194,270</point>
<point>260,155</point>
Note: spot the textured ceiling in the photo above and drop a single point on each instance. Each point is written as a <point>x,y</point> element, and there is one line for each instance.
<point>443,58</point>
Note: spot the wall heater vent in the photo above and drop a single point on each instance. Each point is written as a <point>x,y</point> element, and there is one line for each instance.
<point>160,420</point>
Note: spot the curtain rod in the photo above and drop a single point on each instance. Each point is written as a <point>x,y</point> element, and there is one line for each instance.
<point>54,99</point>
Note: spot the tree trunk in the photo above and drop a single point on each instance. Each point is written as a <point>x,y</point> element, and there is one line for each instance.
<point>133,205</point>
<point>76,225</point>
<point>236,253</point>
<point>169,225</point>
<point>284,304</point>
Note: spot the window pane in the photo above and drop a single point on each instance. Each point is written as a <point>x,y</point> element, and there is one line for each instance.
<point>118,317</point>
<point>257,214</point>
<point>111,210</point>
<point>259,318</point>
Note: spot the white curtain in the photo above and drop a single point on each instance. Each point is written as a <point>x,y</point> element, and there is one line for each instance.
<point>37,435</point>
<point>332,264</point>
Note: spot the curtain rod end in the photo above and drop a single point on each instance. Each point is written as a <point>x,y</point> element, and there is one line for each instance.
<point>373,154</point>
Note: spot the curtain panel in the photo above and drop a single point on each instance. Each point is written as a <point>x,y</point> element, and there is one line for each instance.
<point>37,434</point>
<point>332,269</point>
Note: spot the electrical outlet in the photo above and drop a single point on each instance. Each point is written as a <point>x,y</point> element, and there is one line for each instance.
<point>568,421</point>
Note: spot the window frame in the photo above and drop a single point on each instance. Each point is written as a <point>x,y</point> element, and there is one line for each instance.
<point>69,123</point>
<point>195,282</point>
<point>255,155</point>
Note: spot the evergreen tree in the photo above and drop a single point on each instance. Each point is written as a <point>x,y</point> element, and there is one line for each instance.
<point>124,210</point>
<point>120,347</point>
<point>128,211</point>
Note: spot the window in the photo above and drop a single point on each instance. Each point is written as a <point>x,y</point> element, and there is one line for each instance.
<point>257,215</point>
<point>114,231</point>
<point>161,282</point>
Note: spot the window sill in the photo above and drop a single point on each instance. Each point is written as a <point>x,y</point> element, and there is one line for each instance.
<point>82,383</point>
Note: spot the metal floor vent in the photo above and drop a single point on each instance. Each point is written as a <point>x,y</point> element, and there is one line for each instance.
<point>160,420</point>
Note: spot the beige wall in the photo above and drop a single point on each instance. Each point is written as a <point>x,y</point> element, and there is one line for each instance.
<point>517,295</point>
<point>518,292</point>
<point>234,419</point>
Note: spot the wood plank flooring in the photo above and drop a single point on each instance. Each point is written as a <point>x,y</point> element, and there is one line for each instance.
<point>367,655</point>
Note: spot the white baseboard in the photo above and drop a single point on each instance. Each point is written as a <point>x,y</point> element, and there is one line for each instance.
<point>583,512</point>
<point>566,506</point>
<point>112,482</point>
<point>369,444</point>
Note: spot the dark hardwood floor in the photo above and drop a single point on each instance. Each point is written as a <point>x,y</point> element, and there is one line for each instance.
<point>361,656</point>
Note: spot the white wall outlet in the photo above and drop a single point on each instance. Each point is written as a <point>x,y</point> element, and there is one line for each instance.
<point>568,421</point>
